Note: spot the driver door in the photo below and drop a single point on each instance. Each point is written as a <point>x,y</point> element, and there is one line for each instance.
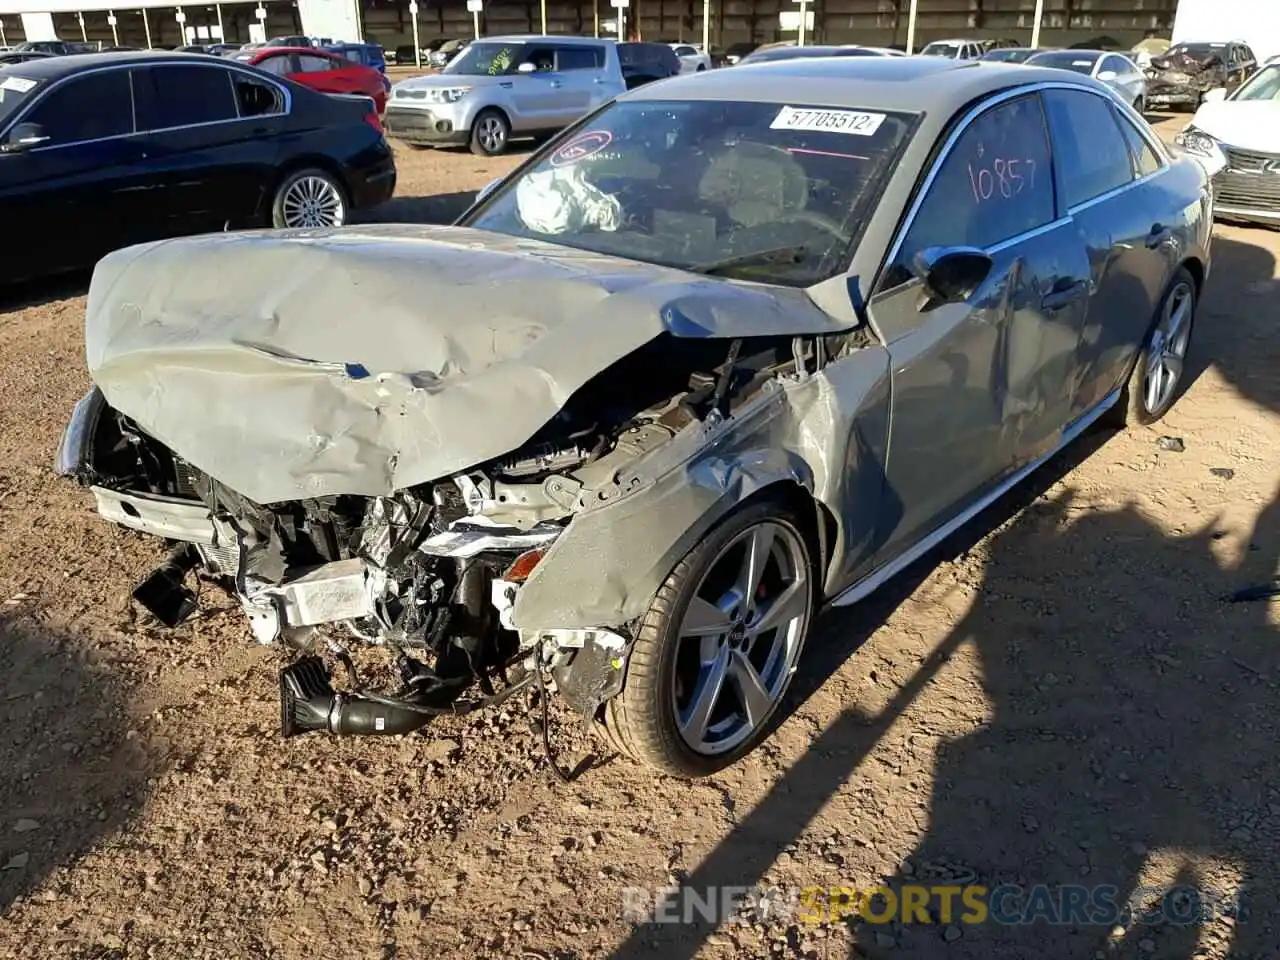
<point>538,94</point>
<point>981,384</point>
<point>88,176</point>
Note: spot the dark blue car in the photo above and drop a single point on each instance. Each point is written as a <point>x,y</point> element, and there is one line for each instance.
<point>369,54</point>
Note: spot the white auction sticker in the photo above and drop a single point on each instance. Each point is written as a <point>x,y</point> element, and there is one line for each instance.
<point>827,121</point>
<point>17,84</point>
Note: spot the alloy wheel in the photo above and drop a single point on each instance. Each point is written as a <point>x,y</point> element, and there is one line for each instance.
<point>313,201</point>
<point>1167,352</point>
<point>740,638</point>
<point>492,134</point>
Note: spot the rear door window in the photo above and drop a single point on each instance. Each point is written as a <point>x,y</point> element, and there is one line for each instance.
<point>91,107</point>
<point>1090,153</point>
<point>579,58</point>
<point>174,95</point>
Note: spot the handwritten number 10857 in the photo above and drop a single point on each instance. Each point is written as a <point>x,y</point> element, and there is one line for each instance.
<point>1004,178</point>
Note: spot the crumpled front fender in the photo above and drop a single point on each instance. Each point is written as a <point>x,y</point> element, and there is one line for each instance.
<point>604,570</point>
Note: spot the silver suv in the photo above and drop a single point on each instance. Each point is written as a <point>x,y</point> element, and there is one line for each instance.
<point>504,88</point>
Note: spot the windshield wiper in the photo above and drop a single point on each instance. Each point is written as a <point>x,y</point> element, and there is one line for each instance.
<point>792,253</point>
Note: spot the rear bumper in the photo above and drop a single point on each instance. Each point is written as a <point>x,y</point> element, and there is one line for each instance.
<point>1269,218</point>
<point>422,126</point>
<point>373,185</point>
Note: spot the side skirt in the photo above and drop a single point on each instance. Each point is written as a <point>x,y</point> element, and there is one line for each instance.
<point>879,576</point>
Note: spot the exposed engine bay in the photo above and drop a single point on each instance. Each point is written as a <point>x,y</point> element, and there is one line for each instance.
<point>1182,75</point>
<point>431,573</point>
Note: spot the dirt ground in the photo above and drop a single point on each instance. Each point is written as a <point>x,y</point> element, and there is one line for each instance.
<point>1059,695</point>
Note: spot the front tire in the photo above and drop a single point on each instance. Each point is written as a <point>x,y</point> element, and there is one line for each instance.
<point>490,133</point>
<point>1157,376</point>
<point>715,653</point>
<point>309,198</point>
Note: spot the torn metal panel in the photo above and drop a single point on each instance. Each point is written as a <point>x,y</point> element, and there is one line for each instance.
<point>371,360</point>
<point>610,561</point>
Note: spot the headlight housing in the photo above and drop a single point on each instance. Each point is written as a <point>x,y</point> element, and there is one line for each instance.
<point>446,94</point>
<point>1197,142</point>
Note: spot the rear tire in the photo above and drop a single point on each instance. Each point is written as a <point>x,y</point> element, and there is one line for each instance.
<point>490,133</point>
<point>1157,378</point>
<point>310,198</point>
<point>682,661</point>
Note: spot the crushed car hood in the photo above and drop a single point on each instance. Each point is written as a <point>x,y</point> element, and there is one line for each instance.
<point>362,361</point>
<point>1245,124</point>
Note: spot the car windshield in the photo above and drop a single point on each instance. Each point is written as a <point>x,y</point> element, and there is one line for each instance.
<point>1265,85</point>
<point>941,48</point>
<point>1065,60</point>
<point>15,92</point>
<point>486,59</point>
<point>756,191</point>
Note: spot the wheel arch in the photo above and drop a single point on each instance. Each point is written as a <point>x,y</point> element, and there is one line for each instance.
<point>303,162</point>
<point>1195,267</point>
<point>610,562</point>
<point>492,108</point>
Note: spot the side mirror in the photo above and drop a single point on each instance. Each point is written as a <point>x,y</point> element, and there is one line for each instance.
<point>527,68</point>
<point>25,136</point>
<point>488,188</point>
<point>1214,95</point>
<point>951,274</point>
<point>1106,76</point>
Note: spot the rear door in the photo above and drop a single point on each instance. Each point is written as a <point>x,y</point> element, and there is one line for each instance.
<point>980,387</point>
<point>1108,178</point>
<point>211,160</point>
<point>82,192</point>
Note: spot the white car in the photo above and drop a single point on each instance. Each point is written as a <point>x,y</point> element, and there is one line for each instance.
<point>1237,138</point>
<point>1114,69</point>
<point>693,59</point>
<point>954,49</point>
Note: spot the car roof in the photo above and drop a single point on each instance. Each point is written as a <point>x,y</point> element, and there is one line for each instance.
<point>1084,53</point>
<point>546,38</point>
<point>273,51</point>
<point>895,84</point>
<point>55,68</point>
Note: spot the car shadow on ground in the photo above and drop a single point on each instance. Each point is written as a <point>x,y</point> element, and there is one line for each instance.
<point>37,293</point>
<point>1132,709</point>
<point>72,774</point>
<point>440,208</point>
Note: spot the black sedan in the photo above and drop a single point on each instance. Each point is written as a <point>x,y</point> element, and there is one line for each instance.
<point>102,151</point>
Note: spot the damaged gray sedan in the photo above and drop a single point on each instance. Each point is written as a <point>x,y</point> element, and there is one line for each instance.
<point>738,346</point>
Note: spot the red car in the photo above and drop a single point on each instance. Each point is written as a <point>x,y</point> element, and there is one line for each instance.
<point>325,72</point>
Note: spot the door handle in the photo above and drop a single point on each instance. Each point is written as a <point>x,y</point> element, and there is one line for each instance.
<point>1159,236</point>
<point>556,83</point>
<point>1064,294</point>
